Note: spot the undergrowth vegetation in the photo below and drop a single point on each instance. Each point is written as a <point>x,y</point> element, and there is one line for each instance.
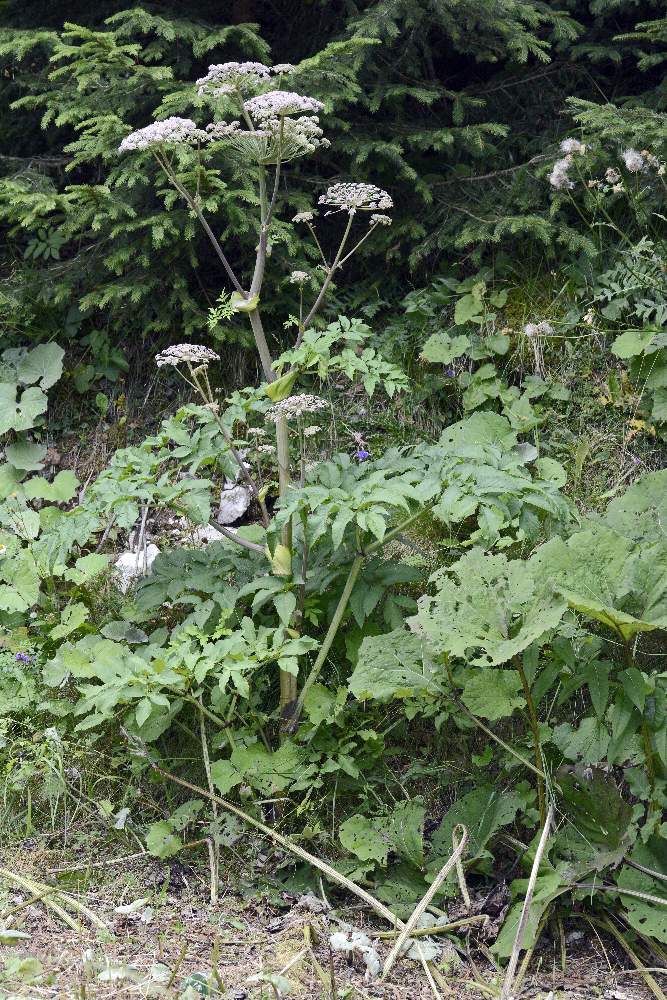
<point>398,604</point>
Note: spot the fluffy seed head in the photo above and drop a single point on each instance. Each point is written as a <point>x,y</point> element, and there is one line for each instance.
<point>569,146</point>
<point>558,178</point>
<point>541,329</point>
<point>612,176</point>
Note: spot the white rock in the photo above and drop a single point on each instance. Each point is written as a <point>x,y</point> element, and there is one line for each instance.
<point>234,502</point>
<point>131,565</point>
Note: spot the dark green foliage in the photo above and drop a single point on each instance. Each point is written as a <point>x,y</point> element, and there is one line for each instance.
<point>453,107</point>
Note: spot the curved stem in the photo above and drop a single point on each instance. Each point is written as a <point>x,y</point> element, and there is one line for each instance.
<point>327,281</point>
<point>194,205</point>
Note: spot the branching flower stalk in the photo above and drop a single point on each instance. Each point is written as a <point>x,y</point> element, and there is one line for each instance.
<point>275,126</point>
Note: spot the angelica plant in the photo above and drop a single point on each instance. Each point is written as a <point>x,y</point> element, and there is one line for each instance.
<point>274,126</point>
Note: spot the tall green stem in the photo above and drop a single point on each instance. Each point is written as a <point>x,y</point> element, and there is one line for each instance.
<point>537,745</point>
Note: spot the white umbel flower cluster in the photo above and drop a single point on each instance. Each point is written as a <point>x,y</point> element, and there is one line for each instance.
<point>282,69</point>
<point>278,138</point>
<point>194,354</point>
<point>298,277</point>
<point>303,217</point>
<point>166,132</point>
<point>296,406</point>
<point>350,197</point>
<point>226,78</point>
<point>278,103</point>
<point>380,220</point>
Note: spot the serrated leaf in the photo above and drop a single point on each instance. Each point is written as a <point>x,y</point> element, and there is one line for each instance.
<point>487,609</point>
<point>493,694</point>
<point>647,918</point>
<point>364,838</point>
<point>394,665</point>
<point>483,812</point>
<point>285,604</point>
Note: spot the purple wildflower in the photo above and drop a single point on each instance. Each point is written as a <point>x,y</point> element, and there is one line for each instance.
<point>450,373</point>
<point>361,455</point>
<point>23,658</point>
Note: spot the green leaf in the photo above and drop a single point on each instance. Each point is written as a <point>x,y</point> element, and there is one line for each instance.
<point>487,609</point>
<point>322,705</point>
<point>483,812</point>
<point>603,575</point>
<point>61,490</point>
<point>20,414</point>
<point>161,841</point>
<point>599,833</point>
<point>394,665</point>
<point>122,631</point>
<point>493,694</point>
<point>406,831</point>
<point>225,776</point>
<point>281,387</point>
<point>632,342</point>
<point>86,568</point>
<point>285,604</point>
<point>647,918</point>
<point>469,307</point>
<point>43,364</point>
<point>548,886</point>
<point>365,838</point>
<point>71,618</point>
<point>551,470</point>
<point>242,304</point>
<point>440,348</point>
<point>26,455</point>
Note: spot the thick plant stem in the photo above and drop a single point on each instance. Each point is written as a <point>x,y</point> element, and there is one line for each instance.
<point>535,728</point>
<point>262,345</point>
<point>328,639</point>
<point>213,847</point>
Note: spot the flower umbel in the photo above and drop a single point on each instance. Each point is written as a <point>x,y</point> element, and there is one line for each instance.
<point>380,220</point>
<point>350,197</point>
<point>278,103</point>
<point>296,406</point>
<point>166,132</point>
<point>194,354</point>
<point>298,277</point>
<point>225,78</point>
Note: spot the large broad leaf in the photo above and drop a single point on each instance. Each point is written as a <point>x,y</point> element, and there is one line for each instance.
<point>479,429</point>
<point>62,489</point>
<point>646,917</point>
<point>599,831</point>
<point>26,455</point>
<point>641,513</point>
<point>602,574</point>
<point>492,694</point>
<point>632,342</point>
<point>487,609</point>
<point>394,665</point>
<point>443,349</point>
<point>483,812</point>
<point>20,413</point>
<point>371,839</point>
<point>548,886</point>
<point>44,364</point>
